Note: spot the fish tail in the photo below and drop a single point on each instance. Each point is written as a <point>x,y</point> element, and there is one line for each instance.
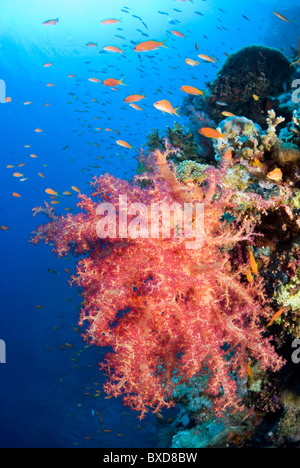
<point>163,45</point>
<point>176,111</point>
<point>121,82</point>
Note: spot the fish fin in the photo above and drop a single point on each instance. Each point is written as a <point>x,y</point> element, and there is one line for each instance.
<point>163,45</point>
<point>176,111</point>
<point>121,82</point>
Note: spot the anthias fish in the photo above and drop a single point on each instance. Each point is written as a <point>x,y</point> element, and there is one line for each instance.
<point>51,22</point>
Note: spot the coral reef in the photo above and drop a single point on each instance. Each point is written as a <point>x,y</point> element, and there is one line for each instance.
<point>291,133</point>
<point>253,70</point>
<point>288,430</point>
<point>168,311</point>
<point>202,319</point>
<point>193,108</point>
<point>184,140</point>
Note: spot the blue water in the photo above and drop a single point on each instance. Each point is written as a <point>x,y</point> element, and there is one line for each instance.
<point>47,388</point>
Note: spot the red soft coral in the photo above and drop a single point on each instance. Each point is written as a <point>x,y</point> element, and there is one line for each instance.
<point>167,311</point>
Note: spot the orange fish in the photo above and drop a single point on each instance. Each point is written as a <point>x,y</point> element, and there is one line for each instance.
<point>47,65</point>
<point>27,103</point>
<point>113,82</point>
<point>4,228</point>
<point>249,370</point>
<point>50,191</point>
<point>177,33</point>
<point>16,195</point>
<point>69,345</point>
<point>211,133</point>
<point>148,45</point>
<point>71,76</point>
<point>191,90</point>
<point>33,156</point>
<point>17,174</point>
<point>134,98</point>
<point>191,62</point>
<point>275,175</point>
<point>253,263</point>
<point>41,175</point>
<point>255,97</point>
<point>249,276</point>
<point>166,106</point>
<point>207,58</point>
<point>91,44</point>
<point>110,21</point>
<point>275,316</point>
<point>8,99</point>
<point>281,17</point>
<point>50,84</point>
<point>113,49</point>
<point>76,189</point>
<point>38,130</point>
<point>135,106</point>
<point>94,80</point>
<point>124,144</point>
<point>227,114</point>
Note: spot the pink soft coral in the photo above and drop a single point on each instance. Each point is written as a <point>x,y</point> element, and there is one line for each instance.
<point>167,311</point>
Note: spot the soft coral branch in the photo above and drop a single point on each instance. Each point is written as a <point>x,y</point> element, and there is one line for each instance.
<point>167,312</point>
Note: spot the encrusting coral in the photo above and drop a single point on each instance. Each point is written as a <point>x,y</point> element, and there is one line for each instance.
<point>168,311</point>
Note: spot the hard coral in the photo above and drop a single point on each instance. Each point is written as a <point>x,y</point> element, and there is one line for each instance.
<point>254,69</point>
<point>169,312</point>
